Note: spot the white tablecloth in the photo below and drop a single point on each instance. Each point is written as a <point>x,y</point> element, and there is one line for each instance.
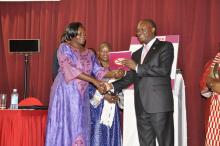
<point>130,136</point>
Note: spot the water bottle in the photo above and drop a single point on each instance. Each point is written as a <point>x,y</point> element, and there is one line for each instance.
<point>14,99</point>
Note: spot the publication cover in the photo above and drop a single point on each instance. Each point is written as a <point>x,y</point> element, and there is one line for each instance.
<point>115,59</point>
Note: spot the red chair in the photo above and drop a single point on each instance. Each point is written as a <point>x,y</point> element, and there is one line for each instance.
<point>30,101</point>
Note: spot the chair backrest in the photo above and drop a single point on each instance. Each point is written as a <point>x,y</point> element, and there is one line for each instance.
<point>29,101</point>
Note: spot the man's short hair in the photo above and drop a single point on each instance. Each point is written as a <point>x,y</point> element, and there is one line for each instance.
<point>152,23</point>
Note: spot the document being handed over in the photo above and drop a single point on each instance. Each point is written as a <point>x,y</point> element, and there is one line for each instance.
<point>115,59</point>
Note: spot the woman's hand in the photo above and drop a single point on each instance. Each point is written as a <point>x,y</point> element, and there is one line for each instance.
<point>213,84</point>
<point>216,87</point>
<point>118,73</point>
<point>100,85</point>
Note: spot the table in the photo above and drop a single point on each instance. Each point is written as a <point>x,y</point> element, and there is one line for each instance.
<point>130,135</point>
<point>22,127</point>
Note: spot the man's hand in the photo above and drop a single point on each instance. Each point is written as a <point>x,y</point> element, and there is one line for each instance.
<point>110,98</point>
<point>129,63</point>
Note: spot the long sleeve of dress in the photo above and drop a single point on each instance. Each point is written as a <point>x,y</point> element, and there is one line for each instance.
<point>98,71</point>
<point>70,69</point>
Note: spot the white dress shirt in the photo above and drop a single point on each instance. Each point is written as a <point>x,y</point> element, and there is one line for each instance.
<point>145,50</point>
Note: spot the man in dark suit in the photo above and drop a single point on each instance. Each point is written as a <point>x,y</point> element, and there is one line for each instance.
<point>150,69</point>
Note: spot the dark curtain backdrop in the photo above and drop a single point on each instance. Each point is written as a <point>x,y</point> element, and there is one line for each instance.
<point>196,21</point>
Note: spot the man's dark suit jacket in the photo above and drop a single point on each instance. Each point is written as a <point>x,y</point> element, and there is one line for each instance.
<point>152,83</point>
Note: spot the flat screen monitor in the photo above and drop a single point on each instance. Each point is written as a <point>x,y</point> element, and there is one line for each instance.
<point>24,45</point>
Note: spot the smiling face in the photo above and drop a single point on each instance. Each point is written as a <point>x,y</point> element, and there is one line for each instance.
<point>81,36</point>
<point>145,31</point>
<point>104,54</point>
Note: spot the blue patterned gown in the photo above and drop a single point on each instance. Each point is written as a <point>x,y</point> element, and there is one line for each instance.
<point>102,135</point>
<point>68,121</point>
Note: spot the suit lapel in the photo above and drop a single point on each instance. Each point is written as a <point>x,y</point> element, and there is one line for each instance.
<point>138,56</point>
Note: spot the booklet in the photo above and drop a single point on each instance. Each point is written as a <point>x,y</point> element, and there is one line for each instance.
<point>115,59</point>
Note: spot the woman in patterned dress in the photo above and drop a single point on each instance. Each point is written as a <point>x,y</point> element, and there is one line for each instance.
<point>68,121</point>
<point>210,87</point>
<point>105,113</point>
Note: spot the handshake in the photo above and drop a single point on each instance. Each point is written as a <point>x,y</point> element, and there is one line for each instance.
<point>104,89</point>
